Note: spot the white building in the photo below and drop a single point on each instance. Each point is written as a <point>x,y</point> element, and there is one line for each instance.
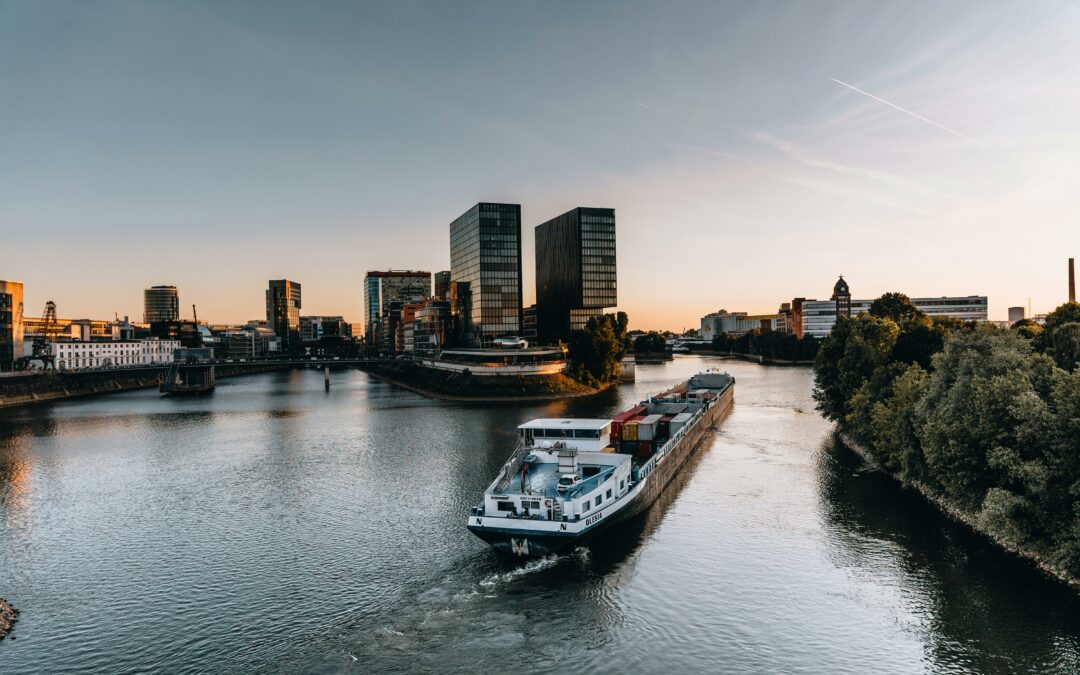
<point>736,323</point>
<point>113,353</point>
<point>494,362</point>
<point>819,316</point>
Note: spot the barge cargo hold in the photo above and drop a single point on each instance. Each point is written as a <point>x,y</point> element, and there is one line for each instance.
<point>570,479</point>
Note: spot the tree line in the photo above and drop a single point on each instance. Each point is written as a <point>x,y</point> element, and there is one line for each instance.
<point>987,419</point>
<point>768,343</point>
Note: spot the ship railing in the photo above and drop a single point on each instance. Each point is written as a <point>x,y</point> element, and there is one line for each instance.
<point>509,469</point>
<point>646,468</point>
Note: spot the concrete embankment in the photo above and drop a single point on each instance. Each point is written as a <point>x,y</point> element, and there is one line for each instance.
<point>24,389</point>
<point>957,515</point>
<point>475,389</point>
<point>8,616</point>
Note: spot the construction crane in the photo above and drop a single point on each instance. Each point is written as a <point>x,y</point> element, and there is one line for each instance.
<point>43,341</point>
<point>195,314</point>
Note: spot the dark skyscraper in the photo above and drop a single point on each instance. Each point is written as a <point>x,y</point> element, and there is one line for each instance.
<point>442,285</point>
<point>575,271</point>
<point>161,304</point>
<point>283,312</point>
<point>485,270</point>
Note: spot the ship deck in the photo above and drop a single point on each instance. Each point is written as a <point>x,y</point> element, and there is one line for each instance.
<point>542,478</point>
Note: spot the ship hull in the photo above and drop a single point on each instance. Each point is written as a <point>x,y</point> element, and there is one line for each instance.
<point>525,543</point>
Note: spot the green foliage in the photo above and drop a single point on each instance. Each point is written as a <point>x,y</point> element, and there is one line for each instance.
<point>896,306</point>
<point>1027,329</point>
<point>770,344</point>
<point>595,352</point>
<point>988,419</point>
<point>650,343</point>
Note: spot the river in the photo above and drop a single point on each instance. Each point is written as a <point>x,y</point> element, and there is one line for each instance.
<point>276,527</point>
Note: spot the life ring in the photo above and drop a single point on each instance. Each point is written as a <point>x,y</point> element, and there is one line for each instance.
<point>547,503</point>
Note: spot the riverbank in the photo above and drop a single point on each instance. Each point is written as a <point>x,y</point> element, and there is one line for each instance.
<point>19,390</point>
<point>8,616</point>
<point>448,386</point>
<point>960,516</point>
<point>754,358</point>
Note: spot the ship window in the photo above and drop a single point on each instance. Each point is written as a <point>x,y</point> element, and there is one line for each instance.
<point>586,433</point>
<point>599,498</point>
<point>535,505</point>
<point>609,493</point>
<point>622,484</point>
<point>506,506</point>
<point>585,506</point>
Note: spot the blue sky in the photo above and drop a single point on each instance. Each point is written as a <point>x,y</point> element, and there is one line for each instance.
<point>216,145</point>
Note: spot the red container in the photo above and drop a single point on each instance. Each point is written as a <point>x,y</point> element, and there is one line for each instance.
<point>617,421</point>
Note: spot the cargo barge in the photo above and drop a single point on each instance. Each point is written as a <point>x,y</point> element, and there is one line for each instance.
<point>571,479</point>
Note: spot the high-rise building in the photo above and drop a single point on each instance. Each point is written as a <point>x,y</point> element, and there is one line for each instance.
<point>383,288</point>
<point>485,272</point>
<point>160,304</point>
<point>442,285</point>
<point>283,312</point>
<point>1016,314</point>
<point>575,271</point>
<point>11,324</point>
<point>315,328</point>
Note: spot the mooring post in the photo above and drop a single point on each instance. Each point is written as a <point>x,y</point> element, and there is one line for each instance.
<point>326,377</point>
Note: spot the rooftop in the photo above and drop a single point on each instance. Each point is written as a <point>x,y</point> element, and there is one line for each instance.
<point>565,423</point>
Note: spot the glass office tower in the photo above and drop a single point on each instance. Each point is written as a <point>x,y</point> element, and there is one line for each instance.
<point>11,324</point>
<point>575,271</point>
<point>283,313</point>
<point>485,271</point>
<point>161,304</point>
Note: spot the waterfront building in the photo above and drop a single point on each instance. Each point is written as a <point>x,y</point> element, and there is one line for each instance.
<point>80,355</point>
<point>383,288</point>
<point>442,285</point>
<point>485,272</point>
<point>736,323</point>
<point>314,328</point>
<point>251,342</point>
<point>819,316</point>
<point>73,329</point>
<point>1016,314</point>
<point>487,362</point>
<point>161,303</point>
<point>432,326</point>
<point>11,324</point>
<point>283,312</point>
<point>528,324</point>
<point>841,296</point>
<point>575,271</point>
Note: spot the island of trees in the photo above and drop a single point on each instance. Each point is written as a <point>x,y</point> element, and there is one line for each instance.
<point>984,421</point>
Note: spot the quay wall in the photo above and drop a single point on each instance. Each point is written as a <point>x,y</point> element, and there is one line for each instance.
<point>25,389</point>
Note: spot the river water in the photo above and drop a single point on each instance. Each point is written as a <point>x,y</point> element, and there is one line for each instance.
<point>275,527</point>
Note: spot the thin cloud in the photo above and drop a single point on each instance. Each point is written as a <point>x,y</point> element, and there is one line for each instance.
<point>917,116</point>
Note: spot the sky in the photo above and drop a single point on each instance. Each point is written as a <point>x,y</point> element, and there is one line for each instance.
<point>752,151</point>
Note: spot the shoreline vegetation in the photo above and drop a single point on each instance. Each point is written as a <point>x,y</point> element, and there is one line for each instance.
<point>984,422</point>
<point>966,519</point>
<point>752,358</point>
<point>448,386</point>
<point>8,616</point>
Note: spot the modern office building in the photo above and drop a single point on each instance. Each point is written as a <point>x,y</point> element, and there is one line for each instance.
<point>160,304</point>
<point>737,323</point>
<point>1017,314</point>
<point>442,285</point>
<point>485,272</point>
<point>432,327</point>
<point>314,328</point>
<point>575,271</point>
<point>819,316</point>
<point>383,288</point>
<point>283,312</point>
<point>11,324</point>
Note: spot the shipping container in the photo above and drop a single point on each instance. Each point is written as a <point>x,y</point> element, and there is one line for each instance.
<point>646,430</point>
<point>644,450</point>
<point>679,421</point>
<point>629,431</point>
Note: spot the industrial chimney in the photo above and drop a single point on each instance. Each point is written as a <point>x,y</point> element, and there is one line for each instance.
<point>1072,282</point>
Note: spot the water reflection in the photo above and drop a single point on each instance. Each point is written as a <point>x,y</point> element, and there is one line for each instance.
<point>975,606</point>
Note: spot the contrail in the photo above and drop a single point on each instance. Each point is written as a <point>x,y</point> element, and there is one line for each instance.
<point>917,116</point>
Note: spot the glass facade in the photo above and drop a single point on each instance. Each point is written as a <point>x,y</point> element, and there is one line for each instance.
<point>383,288</point>
<point>11,324</point>
<point>485,267</point>
<point>283,312</point>
<point>575,271</point>
<point>161,304</point>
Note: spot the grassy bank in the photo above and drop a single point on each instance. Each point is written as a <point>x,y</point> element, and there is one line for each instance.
<point>450,386</point>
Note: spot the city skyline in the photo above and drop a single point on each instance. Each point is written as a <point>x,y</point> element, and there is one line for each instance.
<point>921,149</point>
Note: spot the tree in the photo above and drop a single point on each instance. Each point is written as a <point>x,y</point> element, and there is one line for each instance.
<point>595,352</point>
<point>650,343</point>
<point>895,306</point>
<point>1066,313</point>
<point>1027,329</point>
